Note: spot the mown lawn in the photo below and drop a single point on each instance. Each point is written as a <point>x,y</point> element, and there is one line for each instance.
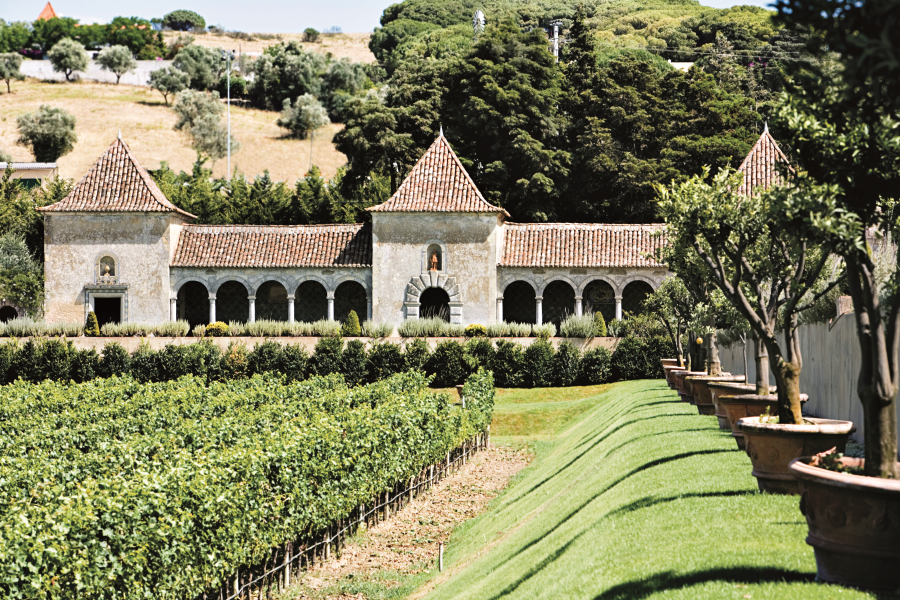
<point>632,495</point>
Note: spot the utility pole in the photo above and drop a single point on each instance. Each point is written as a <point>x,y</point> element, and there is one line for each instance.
<point>556,25</point>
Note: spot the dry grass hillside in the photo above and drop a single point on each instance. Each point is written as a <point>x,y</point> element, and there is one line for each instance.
<point>354,46</point>
<point>101,110</point>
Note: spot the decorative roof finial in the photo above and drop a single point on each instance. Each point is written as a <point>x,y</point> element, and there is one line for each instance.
<point>766,129</point>
<point>442,131</point>
<point>120,135</point>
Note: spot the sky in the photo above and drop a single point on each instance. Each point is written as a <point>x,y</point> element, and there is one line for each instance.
<point>268,16</point>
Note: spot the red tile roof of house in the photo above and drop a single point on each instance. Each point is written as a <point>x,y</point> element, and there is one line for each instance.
<point>274,246</point>
<point>48,13</point>
<point>581,245</point>
<point>760,168</point>
<point>438,183</point>
<point>116,183</point>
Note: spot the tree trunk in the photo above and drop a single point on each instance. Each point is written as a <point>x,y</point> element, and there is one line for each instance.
<point>713,365</point>
<point>744,347</point>
<point>880,417</point>
<point>762,367</point>
<point>787,378</point>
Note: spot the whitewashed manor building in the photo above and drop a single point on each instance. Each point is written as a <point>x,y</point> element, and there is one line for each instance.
<point>117,246</point>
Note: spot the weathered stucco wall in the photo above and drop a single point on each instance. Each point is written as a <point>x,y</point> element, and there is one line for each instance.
<point>141,243</point>
<point>469,245</point>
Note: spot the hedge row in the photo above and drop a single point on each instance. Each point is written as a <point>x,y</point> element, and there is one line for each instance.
<point>537,365</point>
<point>116,489</point>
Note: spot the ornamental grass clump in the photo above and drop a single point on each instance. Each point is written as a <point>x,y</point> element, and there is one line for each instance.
<point>377,330</point>
<point>179,328</point>
<point>545,331</point>
<point>576,326</point>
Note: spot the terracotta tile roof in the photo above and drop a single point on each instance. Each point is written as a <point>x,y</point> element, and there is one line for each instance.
<point>48,13</point>
<point>438,183</point>
<point>760,167</point>
<point>274,246</point>
<point>580,245</point>
<point>116,183</point>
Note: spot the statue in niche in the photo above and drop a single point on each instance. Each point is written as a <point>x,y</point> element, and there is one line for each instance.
<point>433,261</point>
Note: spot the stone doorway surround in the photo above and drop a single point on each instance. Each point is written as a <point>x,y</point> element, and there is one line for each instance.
<point>433,279</point>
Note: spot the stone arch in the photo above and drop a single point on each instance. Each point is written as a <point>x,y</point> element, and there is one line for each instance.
<point>350,295</point>
<point>443,267</point>
<point>180,283</point>
<point>271,301</point>
<point>599,295</point>
<point>192,302</point>
<point>268,279</point>
<point>218,283</point>
<point>233,301</point>
<point>637,277</point>
<point>311,300</point>
<point>519,302</point>
<point>8,312</point>
<point>633,295</point>
<point>558,301</point>
<point>433,279</point>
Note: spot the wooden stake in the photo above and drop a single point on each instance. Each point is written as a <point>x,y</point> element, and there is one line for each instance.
<point>441,556</point>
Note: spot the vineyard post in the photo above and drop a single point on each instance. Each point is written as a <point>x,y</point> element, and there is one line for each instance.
<point>441,557</point>
<point>287,564</point>
<point>488,438</point>
<point>327,543</point>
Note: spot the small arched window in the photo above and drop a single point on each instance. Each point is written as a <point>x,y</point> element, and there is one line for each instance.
<point>106,268</point>
<point>434,258</point>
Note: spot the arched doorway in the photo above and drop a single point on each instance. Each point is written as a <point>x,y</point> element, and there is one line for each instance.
<point>8,313</point>
<point>434,302</point>
<point>633,297</point>
<point>600,297</point>
<point>192,303</point>
<point>519,303</point>
<point>272,302</point>
<point>311,302</point>
<point>348,296</point>
<point>232,302</point>
<point>558,302</point>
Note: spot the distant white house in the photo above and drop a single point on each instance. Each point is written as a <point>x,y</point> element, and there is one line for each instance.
<point>32,174</point>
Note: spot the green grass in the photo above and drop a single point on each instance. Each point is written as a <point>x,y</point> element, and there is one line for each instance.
<point>638,498</point>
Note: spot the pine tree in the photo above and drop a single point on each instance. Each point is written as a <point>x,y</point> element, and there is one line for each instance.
<point>599,325</point>
<point>92,327</point>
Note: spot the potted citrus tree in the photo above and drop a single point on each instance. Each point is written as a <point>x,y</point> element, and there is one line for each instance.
<point>769,273</point>
<point>844,129</point>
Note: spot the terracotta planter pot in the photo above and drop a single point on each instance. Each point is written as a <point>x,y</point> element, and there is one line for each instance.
<point>702,395</point>
<point>678,380</point>
<point>669,362</point>
<point>727,388</point>
<point>854,524</point>
<point>772,447</point>
<point>668,371</point>
<point>739,406</point>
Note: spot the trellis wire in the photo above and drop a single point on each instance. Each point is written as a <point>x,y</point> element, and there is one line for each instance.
<point>463,452</point>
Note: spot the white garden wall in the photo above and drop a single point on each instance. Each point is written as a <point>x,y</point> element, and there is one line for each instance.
<point>831,362</point>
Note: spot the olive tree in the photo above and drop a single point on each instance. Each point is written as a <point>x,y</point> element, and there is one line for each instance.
<point>203,65</point>
<point>672,305</point>
<point>767,269</point>
<point>49,133</point>
<point>117,59</point>
<point>184,20</point>
<point>67,57</point>
<point>10,63</point>
<point>305,116</point>
<point>200,116</point>
<point>169,81</point>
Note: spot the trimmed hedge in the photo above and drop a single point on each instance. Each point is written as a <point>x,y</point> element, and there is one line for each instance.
<point>513,365</point>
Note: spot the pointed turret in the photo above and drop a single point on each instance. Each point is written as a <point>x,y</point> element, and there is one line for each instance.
<point>438,183</point>
<point>47,14</point>
<point>116,183</point>
<point>760,168</point>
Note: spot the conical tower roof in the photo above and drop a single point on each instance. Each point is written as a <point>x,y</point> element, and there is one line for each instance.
<point>116,183</point>
<point>438,183</point>
<point>48,13</point>
<point>760,168</point>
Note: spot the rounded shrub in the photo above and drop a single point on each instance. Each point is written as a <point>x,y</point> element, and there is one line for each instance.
<point>172,362</point>
<point>265,358</point>
<point>596,366</point>
<point>217,329</point>
<point>566,364</point>
<point>85,364</point>
<point>480,353</point>
<point>631,359</point>
<point>509,358</point>
<point>416,354</point>
<point>326,358</point>
<point>57,358</point>
<point>144,366</point>
<point>294,362</point>
<point>235,361</point>
<point>476,331</point>
<point>448,364</point>
<point>538,364</point>
<point>114,361</point>
<point>354,362</point>
<point>385,359</point>
<point>8,360</point>
<point>204,359</point>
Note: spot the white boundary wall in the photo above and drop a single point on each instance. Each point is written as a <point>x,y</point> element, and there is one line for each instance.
<point>42,69</point>
<point>831,362</point>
